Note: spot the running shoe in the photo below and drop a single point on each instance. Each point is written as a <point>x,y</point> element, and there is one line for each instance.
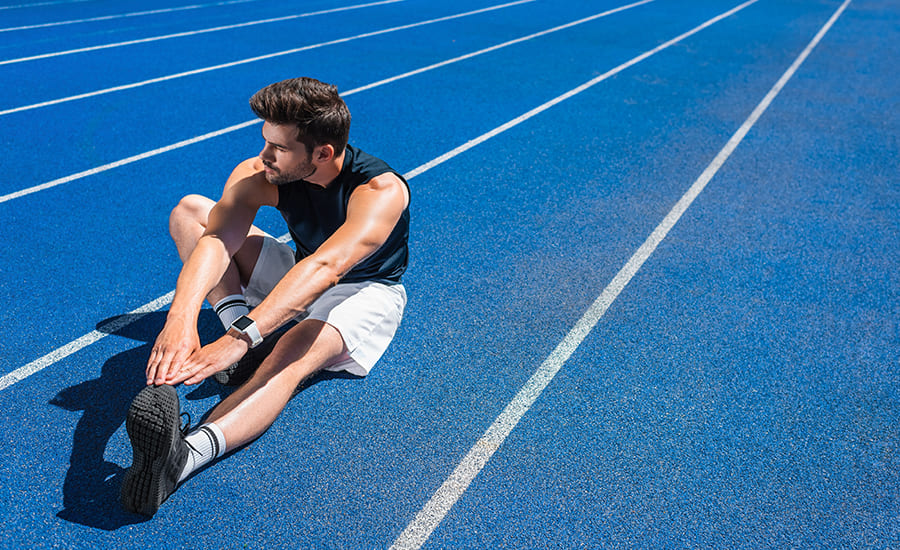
<point>158,447</point>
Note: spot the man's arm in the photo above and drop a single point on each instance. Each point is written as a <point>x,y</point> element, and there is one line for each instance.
<point>229,221</point>
<point>372,213</point>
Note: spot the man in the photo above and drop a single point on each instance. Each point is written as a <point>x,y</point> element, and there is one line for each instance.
<point>348,214</point>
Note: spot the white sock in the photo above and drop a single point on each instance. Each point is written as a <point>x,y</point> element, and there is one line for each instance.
<point>205,444</point>
<point>230,308</point>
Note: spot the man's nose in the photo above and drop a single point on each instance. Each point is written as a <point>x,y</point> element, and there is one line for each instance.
<point>266,153</point>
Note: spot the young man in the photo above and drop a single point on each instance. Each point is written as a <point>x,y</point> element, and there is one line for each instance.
<point>348,214</point>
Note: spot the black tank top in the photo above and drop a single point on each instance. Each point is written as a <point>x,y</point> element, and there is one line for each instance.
<point>314,213</point>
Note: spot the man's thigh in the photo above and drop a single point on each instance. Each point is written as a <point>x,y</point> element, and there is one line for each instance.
<point>367,315</point>
<point>307,347</point>
<point>272,263</point>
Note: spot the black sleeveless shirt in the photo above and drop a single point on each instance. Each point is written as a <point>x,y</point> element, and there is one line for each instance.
<point>314,213</point>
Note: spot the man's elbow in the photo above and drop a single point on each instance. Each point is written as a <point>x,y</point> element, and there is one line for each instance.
<point>328,271</point>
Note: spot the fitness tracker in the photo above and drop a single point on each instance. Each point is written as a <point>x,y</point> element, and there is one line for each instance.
<point>246,325</point>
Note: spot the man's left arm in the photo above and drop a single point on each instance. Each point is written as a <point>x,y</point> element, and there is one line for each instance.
<point>373,211</point>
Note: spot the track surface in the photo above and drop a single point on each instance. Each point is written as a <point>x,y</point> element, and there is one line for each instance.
<point>740,389</point>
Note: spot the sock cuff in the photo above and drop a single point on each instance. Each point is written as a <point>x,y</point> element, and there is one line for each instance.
<point>227,302</point>
<point>216,437</point>
<point>230,308</point>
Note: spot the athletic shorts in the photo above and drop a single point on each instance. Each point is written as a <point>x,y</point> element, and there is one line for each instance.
<point>366,314</point>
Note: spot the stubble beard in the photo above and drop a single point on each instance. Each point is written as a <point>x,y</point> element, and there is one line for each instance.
<point>277,177</point>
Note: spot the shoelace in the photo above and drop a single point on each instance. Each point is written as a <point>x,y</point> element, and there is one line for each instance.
<point>186,429</point>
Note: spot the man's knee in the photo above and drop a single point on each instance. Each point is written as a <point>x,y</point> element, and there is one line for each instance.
<point>308,347</point>
<point>191,210</point>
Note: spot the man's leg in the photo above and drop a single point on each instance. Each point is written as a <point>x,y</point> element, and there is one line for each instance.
<point>163,457</point>
<point>248,412</point>
<point>187,223</point>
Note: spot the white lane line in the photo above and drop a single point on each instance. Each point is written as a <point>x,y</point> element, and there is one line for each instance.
<point>135,158</point>
<point>575,91</point>
<point>92,337</point>
<point>118,16</point>
<point>428,518</point>
<point>192,33</point>
<point>116,324</point>
<point>39,4</point>
<point>255,59</point>
<point>504,44</point>
<point>125,161</point>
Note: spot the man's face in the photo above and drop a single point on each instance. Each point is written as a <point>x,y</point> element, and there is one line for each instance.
<point>285,158</point>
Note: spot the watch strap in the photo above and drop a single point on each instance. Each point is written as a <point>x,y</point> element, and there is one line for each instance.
<point>246,325</point>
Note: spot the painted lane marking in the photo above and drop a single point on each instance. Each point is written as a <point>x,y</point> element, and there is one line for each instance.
<point>38,4</point>
<point>128,160</point>
<point>255,59</point>
<point>419,530</point>
<point>61,353</point>
<point>113,326</point>
<point>192,33</point>
<point>210,135</point>
<point>116,16</point>
<point>505,44</point>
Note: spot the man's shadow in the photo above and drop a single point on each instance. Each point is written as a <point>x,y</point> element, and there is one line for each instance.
<point>91,487</point>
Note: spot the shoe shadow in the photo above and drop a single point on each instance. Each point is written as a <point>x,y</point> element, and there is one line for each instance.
<point>91,486</point>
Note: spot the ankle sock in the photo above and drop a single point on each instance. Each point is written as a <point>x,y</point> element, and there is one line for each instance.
<point>205,444</point>
<point>230,308</point>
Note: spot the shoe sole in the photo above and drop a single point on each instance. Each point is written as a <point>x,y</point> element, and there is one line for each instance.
<point>153,425</point>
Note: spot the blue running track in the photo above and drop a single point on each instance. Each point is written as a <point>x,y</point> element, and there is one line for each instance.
<point>654,290</point>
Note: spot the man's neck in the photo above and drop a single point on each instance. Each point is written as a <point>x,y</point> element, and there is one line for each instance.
<point>328,171</point>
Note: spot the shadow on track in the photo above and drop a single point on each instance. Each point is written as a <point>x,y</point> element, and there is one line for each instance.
<point>91,487</point>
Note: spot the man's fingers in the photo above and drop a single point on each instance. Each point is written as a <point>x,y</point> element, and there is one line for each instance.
<point>162,369</point>
<point>169,365</point>
<point>200,373</point>
<point>188,370</point>
<point>176,365</point>
<point>153,365</point>
<point>196,379</point>
<point>172,347</point>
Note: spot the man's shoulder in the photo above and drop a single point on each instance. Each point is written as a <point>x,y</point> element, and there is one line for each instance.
<point>248,183</point>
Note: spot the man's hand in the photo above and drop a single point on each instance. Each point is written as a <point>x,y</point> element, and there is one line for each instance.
<point>177,341</point>
<point>210,359</point>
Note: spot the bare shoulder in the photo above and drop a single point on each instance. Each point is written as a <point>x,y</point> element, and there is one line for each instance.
<point>249,168</point>
<point>248,183</point>
<point>386,187</point>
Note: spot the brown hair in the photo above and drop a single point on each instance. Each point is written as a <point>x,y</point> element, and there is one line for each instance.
<point>315,108</point>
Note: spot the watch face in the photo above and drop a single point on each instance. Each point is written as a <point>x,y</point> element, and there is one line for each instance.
<point>242,322</point>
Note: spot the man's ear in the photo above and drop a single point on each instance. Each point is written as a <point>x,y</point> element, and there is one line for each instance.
<point>323,153</point>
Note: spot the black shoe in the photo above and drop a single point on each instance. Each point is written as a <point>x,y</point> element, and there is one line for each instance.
<point>240,372</point>
<point>158,447</point>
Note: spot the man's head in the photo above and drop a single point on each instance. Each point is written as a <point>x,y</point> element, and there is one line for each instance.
<point>315,108</point>
<point>306,128</point>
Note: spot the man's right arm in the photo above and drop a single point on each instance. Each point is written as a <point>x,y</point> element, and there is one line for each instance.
<point>229,221</point>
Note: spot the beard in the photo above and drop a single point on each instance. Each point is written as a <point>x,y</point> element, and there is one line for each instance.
<point>279,177</point>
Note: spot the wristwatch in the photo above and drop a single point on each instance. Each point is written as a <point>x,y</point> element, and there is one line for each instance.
<point>246,325</point>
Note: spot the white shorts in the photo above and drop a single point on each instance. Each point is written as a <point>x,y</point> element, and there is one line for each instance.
<point>366,314</point>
